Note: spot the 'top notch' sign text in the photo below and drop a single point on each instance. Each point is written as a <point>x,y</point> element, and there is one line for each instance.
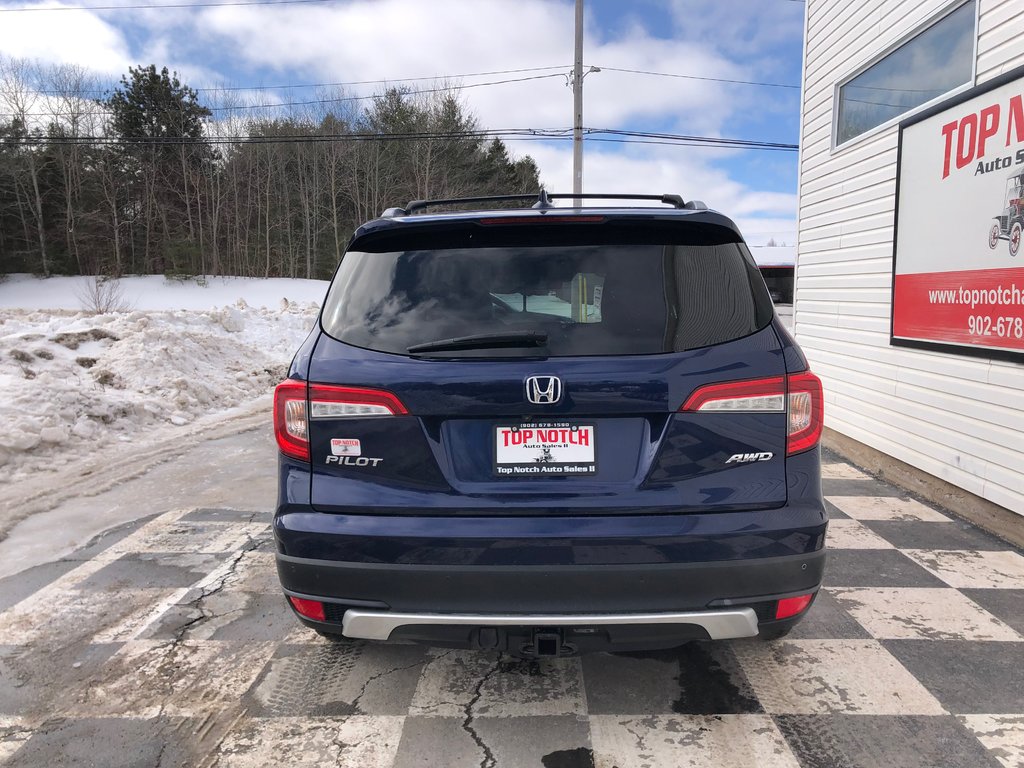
<point>967,139</point>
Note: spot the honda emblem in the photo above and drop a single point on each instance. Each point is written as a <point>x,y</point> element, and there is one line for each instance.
<point>543,390</point>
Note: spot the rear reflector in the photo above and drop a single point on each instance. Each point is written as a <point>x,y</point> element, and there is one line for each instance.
<point>311,609</point>
<point>791,606</point>
<point>798,395</point>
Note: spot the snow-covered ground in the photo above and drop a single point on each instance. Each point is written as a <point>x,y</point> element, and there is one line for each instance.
<point>74,382</point>
<point>152,292</point>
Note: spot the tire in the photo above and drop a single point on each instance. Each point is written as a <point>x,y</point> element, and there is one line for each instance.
<point>334,637</point>
<point>993,236</point>
<point>1015,232</point>
<point>774,633</point>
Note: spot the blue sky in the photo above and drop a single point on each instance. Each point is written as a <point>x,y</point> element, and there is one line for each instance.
<point>354,40</point>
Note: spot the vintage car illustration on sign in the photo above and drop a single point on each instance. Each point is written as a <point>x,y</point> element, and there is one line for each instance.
<point>1008,225</point>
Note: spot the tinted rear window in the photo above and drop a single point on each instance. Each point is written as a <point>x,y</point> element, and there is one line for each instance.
<point>590,299</point>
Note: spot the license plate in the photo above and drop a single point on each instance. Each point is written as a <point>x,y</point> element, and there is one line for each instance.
<point>543,450</point>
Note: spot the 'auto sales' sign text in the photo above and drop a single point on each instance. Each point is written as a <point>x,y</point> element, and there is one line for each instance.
<point>958,267</point>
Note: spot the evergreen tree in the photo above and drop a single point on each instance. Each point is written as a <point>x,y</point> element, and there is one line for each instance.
<point>161,122</point>
<point>155,105</point>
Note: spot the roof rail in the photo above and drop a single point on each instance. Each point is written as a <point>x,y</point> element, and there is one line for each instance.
<point>542,201</point>
<point>419,205</point>
<point>676,201</point>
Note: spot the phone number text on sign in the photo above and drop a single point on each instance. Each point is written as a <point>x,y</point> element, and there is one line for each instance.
<point>1001,327</point>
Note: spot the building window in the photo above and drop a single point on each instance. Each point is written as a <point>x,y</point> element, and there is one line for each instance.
<point>931,63</point>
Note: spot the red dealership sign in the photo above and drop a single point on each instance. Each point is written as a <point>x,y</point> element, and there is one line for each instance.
<point>958,266</point>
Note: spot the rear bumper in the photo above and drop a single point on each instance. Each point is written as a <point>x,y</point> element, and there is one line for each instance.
<point>719,625</point>
<point>563,589</point>
<point>601,582</point>
<point>568,609</point>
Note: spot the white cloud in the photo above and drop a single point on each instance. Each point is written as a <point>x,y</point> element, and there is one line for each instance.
<point>679,170</point>
<point>747,30</point>
<point>369,40</point>
<point>65,37</point>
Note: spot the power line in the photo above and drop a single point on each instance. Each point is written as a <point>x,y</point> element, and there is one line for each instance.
<point>339,99</point>
<point>511,134</point>
<point>762,147</point>
<point>654,135</point>
<point>169,5</point>
<point>290,86</point>
<point>311,102</point>
<point>697,77</point>
<point>381,82</point>
<point>881,104</point>
<point>292,139</point>
<point>39,9</point>
<point>936,91</point>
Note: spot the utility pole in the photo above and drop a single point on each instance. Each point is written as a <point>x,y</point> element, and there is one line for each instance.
<point>577,94</point>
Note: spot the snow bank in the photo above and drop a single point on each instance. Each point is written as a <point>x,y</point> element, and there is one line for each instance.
<point>147,292</point>
<point>73,382</point>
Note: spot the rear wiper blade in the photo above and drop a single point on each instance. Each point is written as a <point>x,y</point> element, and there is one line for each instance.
<point>483,341</point>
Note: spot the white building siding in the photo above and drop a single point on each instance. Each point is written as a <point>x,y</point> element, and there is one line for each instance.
<point>959,418</point>
<point>1000,26</point>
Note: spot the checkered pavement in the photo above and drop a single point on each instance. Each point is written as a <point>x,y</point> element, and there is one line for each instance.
<point>168,643</point>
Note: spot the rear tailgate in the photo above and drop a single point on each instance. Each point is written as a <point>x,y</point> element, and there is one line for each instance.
<point>447,453</point>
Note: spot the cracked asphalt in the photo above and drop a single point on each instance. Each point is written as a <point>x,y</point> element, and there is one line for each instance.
<point>166,642</point>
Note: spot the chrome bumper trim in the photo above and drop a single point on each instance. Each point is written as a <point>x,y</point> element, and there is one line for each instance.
<point>720,625</point>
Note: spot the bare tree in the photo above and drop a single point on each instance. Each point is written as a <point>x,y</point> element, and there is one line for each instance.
<point>19,89</point>
<point>92,185</point>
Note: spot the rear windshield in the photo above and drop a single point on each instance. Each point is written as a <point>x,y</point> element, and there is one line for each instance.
<point>587,299</point>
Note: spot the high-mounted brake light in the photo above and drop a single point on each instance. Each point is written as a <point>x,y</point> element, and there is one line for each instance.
<point>292,410</point>
<point>798,395</point>
<point>544,219</point>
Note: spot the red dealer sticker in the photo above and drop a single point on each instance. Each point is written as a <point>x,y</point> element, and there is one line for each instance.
<point>975,307</point>
<point>345,446</point>
<point>542,450</point>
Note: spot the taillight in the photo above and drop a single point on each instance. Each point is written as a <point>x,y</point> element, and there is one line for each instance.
<point>751,396</point>
<point>327,401</point>
<point>799,395</point>
<point>292,411</point>
<point>291,424</point>
<point>806,412</point>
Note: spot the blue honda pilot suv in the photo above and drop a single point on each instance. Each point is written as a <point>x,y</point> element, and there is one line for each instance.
<point>549,430</point>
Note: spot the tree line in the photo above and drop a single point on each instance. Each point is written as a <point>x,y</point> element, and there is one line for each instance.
<point>147,177</point>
